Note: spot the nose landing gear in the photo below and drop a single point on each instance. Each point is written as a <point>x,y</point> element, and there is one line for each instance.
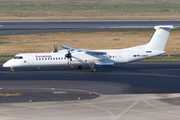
<point>12,69</point>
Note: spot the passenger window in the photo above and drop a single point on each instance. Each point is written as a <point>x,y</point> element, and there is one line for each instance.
<point>61,58</point>
<point>42,58</point>
<point>45,58</point>
<point>50,58</point>
<point>17,57</point>
<point>53,58</point>
<point>36,58</point>
<point>56,58</point>
<point>39,58</point>
<point>64,58</point>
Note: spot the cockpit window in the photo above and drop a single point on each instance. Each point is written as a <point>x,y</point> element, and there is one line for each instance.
<point>17,57</point>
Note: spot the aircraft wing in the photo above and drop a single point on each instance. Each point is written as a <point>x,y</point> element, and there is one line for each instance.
<point>83,50</point>
<point>67,47</point>
<point>93,52</point>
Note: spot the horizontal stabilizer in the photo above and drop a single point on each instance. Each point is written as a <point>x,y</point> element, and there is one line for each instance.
<point>164,27</point>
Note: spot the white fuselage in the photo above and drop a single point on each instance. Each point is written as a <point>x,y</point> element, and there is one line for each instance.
<point>73,56</point>
<point>116,56</point>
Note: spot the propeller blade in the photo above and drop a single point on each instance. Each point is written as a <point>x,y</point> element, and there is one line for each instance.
<point>69,57</point>
<point>55,48</point>
<point>68,62</point>
<point>68,50</point>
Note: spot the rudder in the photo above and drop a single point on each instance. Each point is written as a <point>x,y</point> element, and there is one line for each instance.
<point>159,39</point>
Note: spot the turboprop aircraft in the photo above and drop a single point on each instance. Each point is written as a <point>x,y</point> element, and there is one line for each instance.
<point>80,57</point>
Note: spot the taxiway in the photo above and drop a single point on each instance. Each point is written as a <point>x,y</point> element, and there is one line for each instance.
<point>134,90</point>
<point>32,27</point>
<point>139,90</point>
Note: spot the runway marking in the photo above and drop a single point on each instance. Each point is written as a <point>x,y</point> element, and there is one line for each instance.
<point>161,69</point>
<point>154,113</point>
<point>126,110</point>
<point>146,101</point>
<point>112,115</point>
<point>64,90</point>
<point>151,74</point>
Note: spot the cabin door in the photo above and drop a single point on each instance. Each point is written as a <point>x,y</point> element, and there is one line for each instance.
<point>30,60</point>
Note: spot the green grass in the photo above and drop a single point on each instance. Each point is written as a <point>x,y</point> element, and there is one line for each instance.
<point>2,42</point>
<point>5,58</point>
<point>85,5</point>
<point>89,10</point>
<point>163,59</point>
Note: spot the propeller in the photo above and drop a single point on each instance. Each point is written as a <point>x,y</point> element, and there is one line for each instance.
<point>55,48</point>
<point>69,57</point>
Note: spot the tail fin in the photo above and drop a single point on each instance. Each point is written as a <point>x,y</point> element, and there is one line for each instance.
<point>159,39</point>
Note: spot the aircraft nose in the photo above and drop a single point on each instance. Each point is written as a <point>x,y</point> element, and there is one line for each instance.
<point>6,64</point>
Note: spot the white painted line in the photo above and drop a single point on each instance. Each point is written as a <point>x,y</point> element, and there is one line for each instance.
<point>62,92</point>
<point>127,109</point>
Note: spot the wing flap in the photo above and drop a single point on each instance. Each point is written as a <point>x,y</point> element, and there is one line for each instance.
<point>94,52</point>
<point>104,63</point>
<point>83,50</point>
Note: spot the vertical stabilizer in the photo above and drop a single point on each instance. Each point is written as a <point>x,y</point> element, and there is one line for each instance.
<point>159,39</point>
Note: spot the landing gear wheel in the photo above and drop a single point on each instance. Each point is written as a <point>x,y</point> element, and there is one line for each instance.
<point>79,67</point>
<point>12,69</point>
<point>93,70</point>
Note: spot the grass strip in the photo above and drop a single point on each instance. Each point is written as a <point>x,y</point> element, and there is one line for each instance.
<point>162,59</point>
<point>4,58</point>
<point>89,10</point>
<point>37,43</point>
<point>10,95</point>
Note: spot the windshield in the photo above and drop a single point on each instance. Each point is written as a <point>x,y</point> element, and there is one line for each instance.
<point>17,57</point>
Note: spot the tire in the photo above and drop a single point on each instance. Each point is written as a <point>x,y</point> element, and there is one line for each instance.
<point>79,67</point>
<point>93,70</point>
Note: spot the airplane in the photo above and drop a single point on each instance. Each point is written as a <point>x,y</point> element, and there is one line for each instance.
<point>79,57</point>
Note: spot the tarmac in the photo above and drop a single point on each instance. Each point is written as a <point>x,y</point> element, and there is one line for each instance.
<point>139,90</point>
<point>33,27</point>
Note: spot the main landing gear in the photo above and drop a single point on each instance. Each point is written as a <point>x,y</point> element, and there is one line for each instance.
<point>92,67</point>
<point>12,69</point>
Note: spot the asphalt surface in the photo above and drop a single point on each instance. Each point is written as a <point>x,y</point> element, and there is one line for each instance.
<point>21,27</point>
<point>134,78</point>
<point>139,90</point>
